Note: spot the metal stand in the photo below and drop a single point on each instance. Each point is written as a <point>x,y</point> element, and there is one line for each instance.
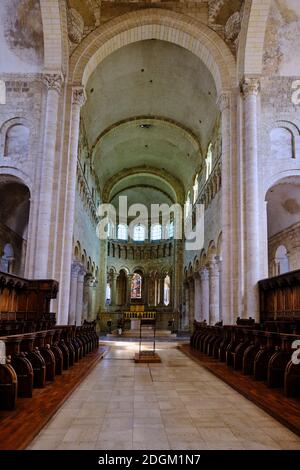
<point>148,355</point>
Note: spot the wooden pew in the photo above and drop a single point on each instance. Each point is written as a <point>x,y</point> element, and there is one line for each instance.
<point>8,386</point>
<point>264,355</point>
<point>279,361</point>
<point>43,341</point>
<point>21,365</point>
<point>35,358</point>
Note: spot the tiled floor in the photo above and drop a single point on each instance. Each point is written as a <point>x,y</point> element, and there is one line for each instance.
<point>173,405</point>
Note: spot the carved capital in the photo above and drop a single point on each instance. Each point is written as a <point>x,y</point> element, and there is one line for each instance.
<point>223,101</point>
<point>53,81</point>
<point>250,86</point>
<point>78,95</point>
<point>204,274</point>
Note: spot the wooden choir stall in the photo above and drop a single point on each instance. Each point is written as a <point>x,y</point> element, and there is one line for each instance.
<point>33,349</point>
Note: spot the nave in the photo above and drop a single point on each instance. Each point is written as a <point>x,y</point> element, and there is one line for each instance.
<point>173,405</point>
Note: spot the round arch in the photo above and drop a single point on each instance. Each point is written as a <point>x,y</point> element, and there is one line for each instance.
<point>171,180</point>
<point>278,177</point>
<point>19,175</point>
<point>254,41</point>
<point>158,24</point>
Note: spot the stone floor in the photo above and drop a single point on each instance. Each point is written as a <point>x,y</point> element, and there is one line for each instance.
<point>173,405</point>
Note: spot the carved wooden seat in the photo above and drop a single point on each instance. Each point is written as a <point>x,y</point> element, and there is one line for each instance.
<point>8,386</point>
<point>37,361</point>
<point>21,365</point>
<point>264,355</point>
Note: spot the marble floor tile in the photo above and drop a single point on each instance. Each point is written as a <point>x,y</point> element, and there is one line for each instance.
<point>173,405</point>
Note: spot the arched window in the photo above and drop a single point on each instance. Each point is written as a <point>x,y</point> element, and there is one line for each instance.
<point>187,208</point>
<point>281,143</point>
<point>196,188</point>
<point>108,294</point>
<point>167,287</point>
<point>208,161</point>
<point>139,233</point>
<point>171,229</point>
<point>17,141</point>
<point>7,259</point>
<point>281,260</point>
<point>156,232</point>
<point>122,232</point>
<point>136,286</point>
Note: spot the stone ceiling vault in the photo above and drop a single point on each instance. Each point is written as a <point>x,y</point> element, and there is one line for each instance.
<point>153,104</point>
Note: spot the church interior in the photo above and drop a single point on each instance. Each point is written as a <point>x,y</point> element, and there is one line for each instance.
<point>150,225</point>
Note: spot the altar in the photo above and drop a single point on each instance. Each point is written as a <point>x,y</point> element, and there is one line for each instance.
<point>136,314</point>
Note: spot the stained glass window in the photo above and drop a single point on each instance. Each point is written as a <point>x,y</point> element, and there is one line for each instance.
<point>136,286</point>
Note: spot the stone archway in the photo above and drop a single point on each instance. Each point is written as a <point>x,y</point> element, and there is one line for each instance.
<point>158,24</point>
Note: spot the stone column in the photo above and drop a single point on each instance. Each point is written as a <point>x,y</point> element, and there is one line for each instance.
<point>53,83</point>
<point>161,290</point>
<point>128,286</point>
<point>214,291</point>
<point>192,303</point>
<point>113,288</point>
<point>91,299</point>
<point>146,289</point>
<point>86,296</point>
<point>79,297</point>
<point>204,274</point>
<point>226,208</point>
<point>73,292</point>
<point>78,99</point>
<point>187,306</point>
<point>197,301</point>
<point>250,89</point>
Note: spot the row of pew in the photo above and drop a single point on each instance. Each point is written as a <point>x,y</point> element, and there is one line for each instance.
<point>30,360</point>
<point>266,352</point>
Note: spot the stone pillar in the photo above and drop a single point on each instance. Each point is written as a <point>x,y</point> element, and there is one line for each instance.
<point>214,291</point>
<point>43,251</point>
<point>91,299</point>
<point>250,89</point>
<point>128,288</point>
<point>204,274</point>
<point>86,296</point>
<point>187,306</point>
<point>226,208</point>
<point>197,301</point>
<point>161,290</point>
<point>73,293</point>
<point>79,297</point>
<point>78,99</point>
<point>146,289</point>
<point>192,303</point>
<point>113,288</point>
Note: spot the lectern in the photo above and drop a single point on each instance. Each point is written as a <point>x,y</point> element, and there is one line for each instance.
<point>148,355</point>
